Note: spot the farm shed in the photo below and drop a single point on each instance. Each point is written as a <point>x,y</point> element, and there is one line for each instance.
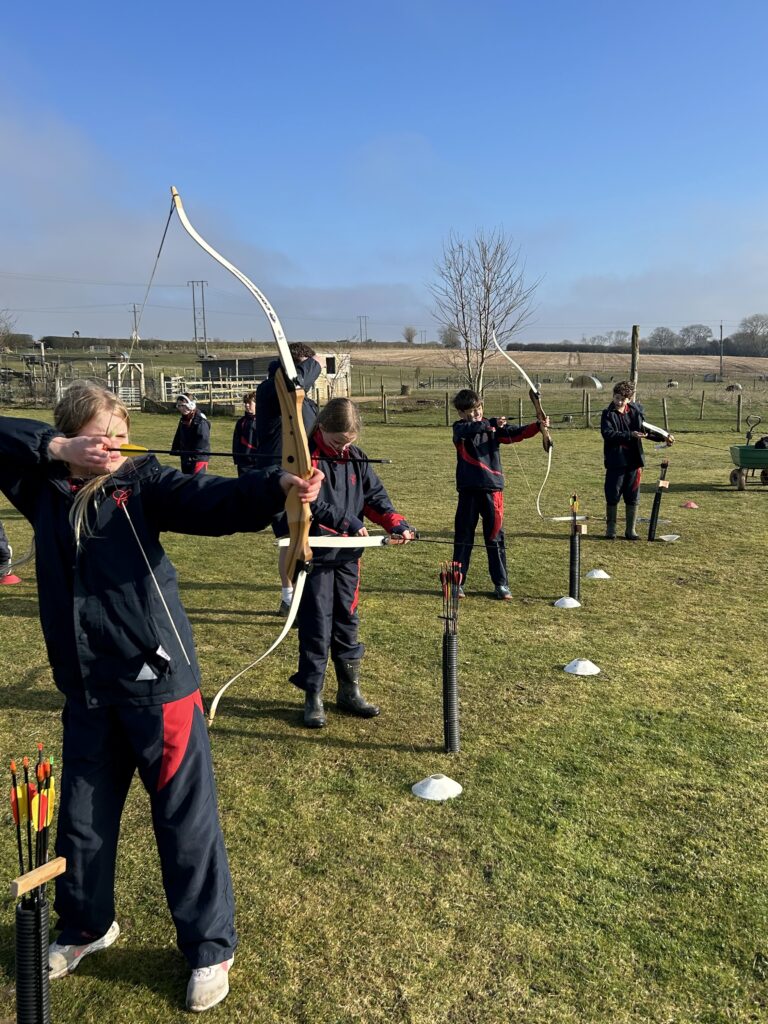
<point>586,381</point>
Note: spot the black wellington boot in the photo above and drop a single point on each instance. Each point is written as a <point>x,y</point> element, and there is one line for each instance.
<point>631,533</point>
<point>348,696</point>
<point>314,714</point>
<point>611,514</point>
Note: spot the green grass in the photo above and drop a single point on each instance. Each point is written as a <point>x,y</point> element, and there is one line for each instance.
<point>607,859</point>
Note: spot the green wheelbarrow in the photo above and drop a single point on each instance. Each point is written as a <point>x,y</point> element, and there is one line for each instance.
<point>747,458</point>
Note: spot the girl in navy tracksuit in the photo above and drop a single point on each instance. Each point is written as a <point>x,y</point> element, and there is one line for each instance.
<point>192,437</point>
<point>245,438</point>
<point>623,430</point>
<point>480,483</point>
<point>327,616</point>
<point>121,651</point>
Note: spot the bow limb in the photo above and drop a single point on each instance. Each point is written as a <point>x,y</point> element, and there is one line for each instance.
<point>533,393</point>
<point>535,396</point>
<point>296,456</point>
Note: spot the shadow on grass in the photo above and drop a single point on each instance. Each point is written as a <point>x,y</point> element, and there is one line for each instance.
<point>292,717</point>
<point>23,604</point>
<point>34,692</point>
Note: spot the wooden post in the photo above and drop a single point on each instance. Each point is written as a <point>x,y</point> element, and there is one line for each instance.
<point>385,407</point>
<point>635,355</point>
<point>162,386</point>
<point>583,401</point>
<point>383,394</point>
<point>701,407</point>
<point>519,410</point>
<point>362,383</point>
<point>738,413</point>
<point>447,410</point>
<point>589,411</point>
<point>665,414</point>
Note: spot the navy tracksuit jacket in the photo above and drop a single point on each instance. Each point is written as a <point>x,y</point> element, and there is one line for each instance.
<point>245,444</point>
<point>623,454</point>
<point>480,483</point>
<point>327,616</point>
<point>268,417</point>
<point>193,434</point>
<point>128,670</point>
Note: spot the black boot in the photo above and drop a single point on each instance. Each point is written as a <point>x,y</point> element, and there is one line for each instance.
<point>611,514</point>
<point>348,696</point>
<point>631,533</point>
<point>314,714</point>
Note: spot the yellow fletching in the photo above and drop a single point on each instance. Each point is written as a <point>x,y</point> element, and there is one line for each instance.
<point>132,449</point>
<point>51,800</point>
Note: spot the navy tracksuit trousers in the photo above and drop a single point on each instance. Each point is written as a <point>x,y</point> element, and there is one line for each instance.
<point>475,504</point>
<point>623,483</point>
<point>168,745</point>
<point>328,622</point>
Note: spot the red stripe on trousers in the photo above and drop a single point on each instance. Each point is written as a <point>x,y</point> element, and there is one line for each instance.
<point>177,725</point>
<point>498,513</point>
<point>356,598</point>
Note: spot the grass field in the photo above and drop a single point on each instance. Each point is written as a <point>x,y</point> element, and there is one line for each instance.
<point>607,859</point>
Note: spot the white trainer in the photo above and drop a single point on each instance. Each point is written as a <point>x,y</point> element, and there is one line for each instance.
<point>64,959</point>
<point>208,986</point>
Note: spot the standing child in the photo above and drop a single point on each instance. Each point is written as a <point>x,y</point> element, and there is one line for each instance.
<point>327,616</point>
<point>480,483</point>
<point>245,440</point>
<point>121,651</point>
<point>622,427</point>
<point>192,437</point>
<point>269,422</point>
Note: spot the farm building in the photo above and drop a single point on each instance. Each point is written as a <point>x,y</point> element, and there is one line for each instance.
<point>225,381</point>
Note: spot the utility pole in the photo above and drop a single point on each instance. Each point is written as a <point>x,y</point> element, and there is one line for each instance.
<point>363,319</point>
<point>721,350</point>
<point>135,332</point>
<point>198,315</point>
<point>423,337</point>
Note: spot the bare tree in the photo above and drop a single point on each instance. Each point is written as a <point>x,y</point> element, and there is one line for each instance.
<point>449,337</point>
<point>663,337</point>
<point>409,333</point>
<point>7,323</point>
<point>695,335</point>
<point>480,288</point>
<point>753,332</point>
<point>617,337</point>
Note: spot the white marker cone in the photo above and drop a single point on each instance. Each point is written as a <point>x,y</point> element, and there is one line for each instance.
<point>597,574</point>
<point>669,538</point>
<point>567,602</point>
<point>582,667</point>
<point>436,787</point>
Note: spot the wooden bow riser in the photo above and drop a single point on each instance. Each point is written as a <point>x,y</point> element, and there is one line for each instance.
<point>296,459</point>
<point>541,415</point>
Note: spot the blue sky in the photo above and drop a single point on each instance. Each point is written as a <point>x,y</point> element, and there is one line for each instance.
<point>329,149</point>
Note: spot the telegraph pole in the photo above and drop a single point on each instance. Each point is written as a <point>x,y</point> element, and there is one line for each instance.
<point>721,350</point>
<point>361,319</point>
<point>198,315</point>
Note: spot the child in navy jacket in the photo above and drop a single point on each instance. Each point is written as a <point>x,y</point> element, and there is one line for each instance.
<point>327,616</point>
<point>623,430</point>
<point>480,483</point>
<point>121,651</point>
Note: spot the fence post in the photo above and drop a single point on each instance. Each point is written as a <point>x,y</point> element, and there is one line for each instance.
<point>589,411</point>
<point>447,413</point>
<point>383,394</point>
<point>385,407</point>
<point>701,407</point>
<point>520,410</point>
<point>666,414</point>
<point>583,401</point>
<point>738,413</point>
